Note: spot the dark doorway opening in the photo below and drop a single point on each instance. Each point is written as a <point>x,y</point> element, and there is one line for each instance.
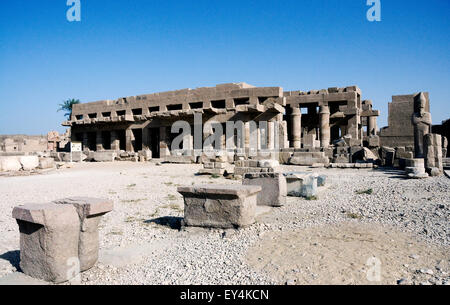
<point>137,142</point>
<point>106,139</point>
<point>154,139</point>
<point>92,141</point>
<point>122,139</point>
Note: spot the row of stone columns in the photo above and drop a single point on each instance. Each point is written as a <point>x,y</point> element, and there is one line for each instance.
<point>324,125</point>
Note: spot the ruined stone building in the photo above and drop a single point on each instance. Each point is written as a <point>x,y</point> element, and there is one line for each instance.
<point>308,121</point>
<point>400,132</point>
<point>22,143</point>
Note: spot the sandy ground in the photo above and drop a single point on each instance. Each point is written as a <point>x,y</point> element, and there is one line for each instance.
<point>402,229</point>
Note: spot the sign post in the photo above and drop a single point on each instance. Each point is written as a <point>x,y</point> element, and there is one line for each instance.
<point>76,147</point>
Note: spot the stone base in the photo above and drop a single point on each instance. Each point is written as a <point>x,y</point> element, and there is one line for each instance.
<point>211,171</point>
<point>301,184</point>
<point>219,206</point>
<point>274,188</point>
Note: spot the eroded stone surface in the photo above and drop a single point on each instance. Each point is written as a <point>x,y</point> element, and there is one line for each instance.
<point>274,188</point>
<point>220,206</point>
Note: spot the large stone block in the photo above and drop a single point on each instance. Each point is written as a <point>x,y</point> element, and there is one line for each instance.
<point>10,164</point>
<point>301,184</point>
<point>48,241</point>
<point>432,146</point>
<point>90,211</point>
<point>105,156</point>
<point>220,206</point>
<point>29,162</point>
<point>274,188</point>
<point>308,158</point>
<point>45,163</point>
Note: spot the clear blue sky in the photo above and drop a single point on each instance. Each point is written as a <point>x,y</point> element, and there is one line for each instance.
<point>131,47</point>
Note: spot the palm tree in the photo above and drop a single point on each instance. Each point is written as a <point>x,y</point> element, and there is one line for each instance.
<point>67,107</point>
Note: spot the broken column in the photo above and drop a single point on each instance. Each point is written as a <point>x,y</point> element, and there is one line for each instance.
<point>302,184</point>
<point>49,235</point>
<point>415,168</point>
<point>90,211</point>
<point>274,188</point>
<point>115,142</point>
<point>432,145</point>
<point>325,134</point>
<point>220,206</point>
<point>297,127</point>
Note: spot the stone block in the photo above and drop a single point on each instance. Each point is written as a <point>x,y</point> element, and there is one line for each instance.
<point>274,188</point>
<point>90,211</point>
<point>321,180</point>
<point>301,184</point>
<point>48,241</point>
<point>10,164</point>
<point>105,156</point>
<point>29,162</point>
<point>46,163</point>
<point>220,206</point>
<point>268,163</point>
<point>208,165</point>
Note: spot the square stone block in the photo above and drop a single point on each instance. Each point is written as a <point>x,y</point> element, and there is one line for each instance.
<point>48,241</point>
<point>301,184</point>
<point>274,188</point>
<point>220,206</point>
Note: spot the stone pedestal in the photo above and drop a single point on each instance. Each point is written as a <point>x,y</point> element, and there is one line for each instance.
<point>219,206</point>
<point>274,188</point>
<point>432,146</point>
<point>415,168</point>
<point>48,240</point>
<point>90,211</point>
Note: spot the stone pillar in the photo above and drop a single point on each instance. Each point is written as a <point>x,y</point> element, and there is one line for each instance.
<point>85,141</point>
<point>128,140</point>
<point>163,146</point>
<point>325,133</point>
<point>115,142</point>
<point>247,135</point>
<point>99,141</point>
<point>433,154</point>
<point>372,126</point>
<point>352,128</point>
<point>297,127</point>
<point>145,139</point>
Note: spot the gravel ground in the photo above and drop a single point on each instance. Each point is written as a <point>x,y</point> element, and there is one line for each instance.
<point>404,223</point>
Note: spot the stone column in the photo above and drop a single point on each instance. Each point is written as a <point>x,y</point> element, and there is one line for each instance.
<point>115,142</point>
<point>371,126</point>
<point>145,139</point>
<point>99,141</point>
<point>352,127</point>
<point>325,133</point>
<point>128,139</point>
<point>297,127</point>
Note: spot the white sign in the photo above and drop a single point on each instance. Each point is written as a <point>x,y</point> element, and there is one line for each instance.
<point>76,147</point>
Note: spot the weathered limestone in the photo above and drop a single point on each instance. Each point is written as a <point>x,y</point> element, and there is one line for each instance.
<point>274,188</point>
<point>296,127</point>
<point>302,184</point>
<point>59,240</point>
<point>29,162</point>
<point>325,135</point>
<point>421,121</point>
<point>432,144</point>
<point>46,163</point>
<point>415,168</point>
<point>220,206</point>
<point>444,146</point>
<point>105,156</point>
<point>48,240</point>
<point>90,211</point>
<point>10,164</point>
<point>309,158</point>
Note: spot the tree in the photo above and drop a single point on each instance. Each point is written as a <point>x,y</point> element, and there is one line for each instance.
<point>67,107</point>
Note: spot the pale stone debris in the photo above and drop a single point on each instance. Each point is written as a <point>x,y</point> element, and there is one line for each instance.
<point>302,184</point>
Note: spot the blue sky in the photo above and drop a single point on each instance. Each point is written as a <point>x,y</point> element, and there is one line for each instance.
<point>130,47</point>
